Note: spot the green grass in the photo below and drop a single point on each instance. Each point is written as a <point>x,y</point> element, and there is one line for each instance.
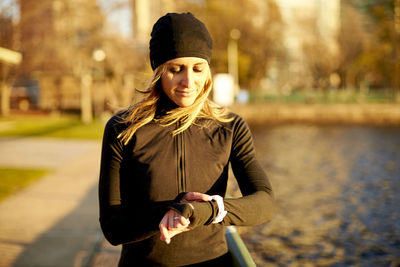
<point>12,179</point>
<point>334,97</point>
<point>50,126</point>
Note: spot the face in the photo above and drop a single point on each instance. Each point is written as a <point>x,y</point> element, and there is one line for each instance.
<point>184,79</point>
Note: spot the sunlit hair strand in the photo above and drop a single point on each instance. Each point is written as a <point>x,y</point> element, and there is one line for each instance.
<point>142,113</point>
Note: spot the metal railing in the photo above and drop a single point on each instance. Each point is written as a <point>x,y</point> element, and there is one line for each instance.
<point>240,254</point>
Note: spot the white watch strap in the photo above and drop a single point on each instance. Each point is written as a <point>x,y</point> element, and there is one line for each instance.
<point>221,209</point>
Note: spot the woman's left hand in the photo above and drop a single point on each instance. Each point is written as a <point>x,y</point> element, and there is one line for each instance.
<point>172,224</point>
<point>195,196</point>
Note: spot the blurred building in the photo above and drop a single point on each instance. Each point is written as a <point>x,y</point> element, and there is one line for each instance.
<point>307,19</point>
<point>310,26</point>
<point>145,14</point>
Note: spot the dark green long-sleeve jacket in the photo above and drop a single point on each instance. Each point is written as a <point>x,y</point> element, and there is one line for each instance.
<point>140,181</point>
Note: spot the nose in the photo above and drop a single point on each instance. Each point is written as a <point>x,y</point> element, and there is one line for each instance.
<point>187,79</point>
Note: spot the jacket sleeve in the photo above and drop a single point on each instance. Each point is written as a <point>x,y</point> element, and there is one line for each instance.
<point>257,204</point>
<point>119,224</point>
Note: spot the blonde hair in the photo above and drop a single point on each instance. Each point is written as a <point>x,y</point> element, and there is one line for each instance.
<point>140,114</point>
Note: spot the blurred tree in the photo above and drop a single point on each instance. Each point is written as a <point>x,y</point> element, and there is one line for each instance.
<point>260,25</point>
<point>55,33</point>
<point>369,44</point>
<point>76,31</point>
<point>58,38</point>
<point>320,54</point>
<point>127,65</point>
<point>320,62</point>
<point>311,38</point>
<point>381,14</point>
<point>396,51</point>
<point>124,68</point>
<point>355,42</point>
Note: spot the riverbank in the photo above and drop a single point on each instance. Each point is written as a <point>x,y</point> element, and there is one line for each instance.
<point>360,114</point>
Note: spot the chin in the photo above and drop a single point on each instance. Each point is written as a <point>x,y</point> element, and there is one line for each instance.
<point>184,103</point>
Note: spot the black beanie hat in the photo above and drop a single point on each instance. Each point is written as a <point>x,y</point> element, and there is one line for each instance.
<point>179,35</point>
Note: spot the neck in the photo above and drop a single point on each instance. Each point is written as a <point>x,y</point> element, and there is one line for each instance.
<point>164,105</point>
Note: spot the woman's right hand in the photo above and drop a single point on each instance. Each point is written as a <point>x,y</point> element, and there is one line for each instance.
<point>172,224</point>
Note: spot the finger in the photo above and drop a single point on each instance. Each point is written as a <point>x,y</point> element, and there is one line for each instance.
<point>164,231</point>
<point>180,221</point>
<point>184,222</point>
<point>176,220</point>
<point>175,232</point>
<point>195,196</point>
<point>171,219</point>
<point>200,196</point>
<point>168,219</point>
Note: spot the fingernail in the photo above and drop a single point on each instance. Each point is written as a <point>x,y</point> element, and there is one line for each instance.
<point>168,241</point>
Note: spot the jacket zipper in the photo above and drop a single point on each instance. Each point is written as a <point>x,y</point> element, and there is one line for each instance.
<point>181,168</point>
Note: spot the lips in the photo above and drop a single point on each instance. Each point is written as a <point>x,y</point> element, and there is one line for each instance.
<point>185,93</point>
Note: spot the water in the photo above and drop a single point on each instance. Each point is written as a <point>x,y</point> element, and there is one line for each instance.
<point>337,195</point>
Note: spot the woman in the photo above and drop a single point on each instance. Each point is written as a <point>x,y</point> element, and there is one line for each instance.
<point>164,165</point>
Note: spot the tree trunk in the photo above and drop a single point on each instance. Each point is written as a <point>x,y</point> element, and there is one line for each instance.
<point>5,99</point>
<point>4,91</point>
<point>86,98</point>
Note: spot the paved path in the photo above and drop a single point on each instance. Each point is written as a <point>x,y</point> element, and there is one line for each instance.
<point>53,222</point>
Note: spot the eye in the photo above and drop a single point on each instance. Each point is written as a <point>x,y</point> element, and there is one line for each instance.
<point>175,69</point>
<point>198,69</point>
